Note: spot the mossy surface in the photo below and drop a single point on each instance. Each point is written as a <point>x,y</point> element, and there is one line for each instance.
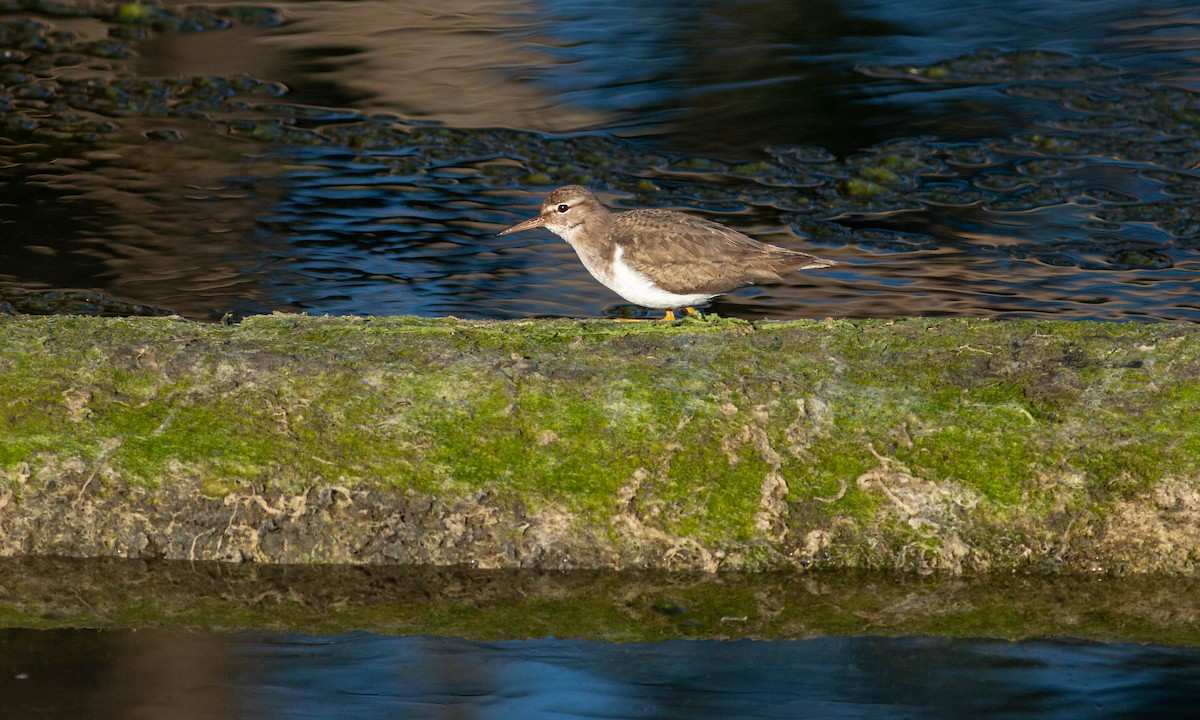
<point>955,445</point>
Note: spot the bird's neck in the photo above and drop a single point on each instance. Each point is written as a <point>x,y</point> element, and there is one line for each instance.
<point>593,240</point>
<point>593,232</point>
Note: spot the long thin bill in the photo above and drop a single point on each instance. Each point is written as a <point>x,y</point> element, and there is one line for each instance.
<point>533,222</point>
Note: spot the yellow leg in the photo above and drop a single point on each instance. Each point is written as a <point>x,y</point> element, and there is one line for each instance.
<point>669,316</point>
<point>693,311</point>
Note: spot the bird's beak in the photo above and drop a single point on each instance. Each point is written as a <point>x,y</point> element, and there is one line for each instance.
<point>533,222</point>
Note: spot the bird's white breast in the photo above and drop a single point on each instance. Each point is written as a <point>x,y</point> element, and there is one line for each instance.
<point>622,279</point>
<point>639,290</point>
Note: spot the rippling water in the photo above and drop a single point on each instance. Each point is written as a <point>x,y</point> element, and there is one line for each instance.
<point>359,157</point>
<point>121,674</point>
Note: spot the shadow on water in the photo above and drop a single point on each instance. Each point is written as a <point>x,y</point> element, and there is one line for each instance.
<point>359,158</point>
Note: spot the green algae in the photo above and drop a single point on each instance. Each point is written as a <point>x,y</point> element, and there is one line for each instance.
<point>954,445</point>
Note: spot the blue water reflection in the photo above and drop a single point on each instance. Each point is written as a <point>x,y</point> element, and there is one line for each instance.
<point>727,78</point>
<point>386,234</point>
<point>120,674</point>
<point>860,677</point>
<point>207,211</point>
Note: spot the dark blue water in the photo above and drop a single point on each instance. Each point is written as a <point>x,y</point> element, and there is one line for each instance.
<point>727,78</point>
<point>199,207</point>
<point>153,673</point>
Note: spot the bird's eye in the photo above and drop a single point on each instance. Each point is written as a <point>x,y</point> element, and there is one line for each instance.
<point>563,208</point>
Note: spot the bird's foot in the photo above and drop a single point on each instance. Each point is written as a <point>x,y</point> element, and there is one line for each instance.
<point>668,316</point>
<point>694,313</point>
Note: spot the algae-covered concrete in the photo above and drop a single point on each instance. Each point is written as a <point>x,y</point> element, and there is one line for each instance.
<point>952,445</point>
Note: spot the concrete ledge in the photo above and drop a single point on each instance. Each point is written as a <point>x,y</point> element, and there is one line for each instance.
<point>961,446</point>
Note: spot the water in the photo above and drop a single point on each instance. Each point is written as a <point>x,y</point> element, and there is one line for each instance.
<point>171,674</point>
<point>358,158</point>
<point>131,639</point>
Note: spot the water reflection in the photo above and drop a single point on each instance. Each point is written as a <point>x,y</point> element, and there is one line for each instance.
<point>309,181</point>
<point>166,674</point>
<point>460,63</point>
<point>708,77</point>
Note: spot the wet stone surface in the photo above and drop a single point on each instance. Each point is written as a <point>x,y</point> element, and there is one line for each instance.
<point>58,302</point>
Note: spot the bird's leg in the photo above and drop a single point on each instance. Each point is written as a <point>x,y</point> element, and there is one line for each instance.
<point>693,311</point>
<point>669,316</point>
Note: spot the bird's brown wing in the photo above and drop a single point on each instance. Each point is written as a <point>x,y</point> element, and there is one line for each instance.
<point>685,254</point>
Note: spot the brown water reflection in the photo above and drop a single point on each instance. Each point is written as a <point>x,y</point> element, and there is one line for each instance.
<point>459,63</point>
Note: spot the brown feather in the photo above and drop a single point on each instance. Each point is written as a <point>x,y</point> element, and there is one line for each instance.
<point>687,254</point>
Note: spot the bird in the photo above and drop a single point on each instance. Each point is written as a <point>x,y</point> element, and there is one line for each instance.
<point>661,259</point>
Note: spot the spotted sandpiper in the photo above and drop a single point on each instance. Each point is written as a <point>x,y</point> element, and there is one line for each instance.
<point>661,259</point>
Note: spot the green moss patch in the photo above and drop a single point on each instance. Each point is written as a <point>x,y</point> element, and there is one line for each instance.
<point>955,445</point>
